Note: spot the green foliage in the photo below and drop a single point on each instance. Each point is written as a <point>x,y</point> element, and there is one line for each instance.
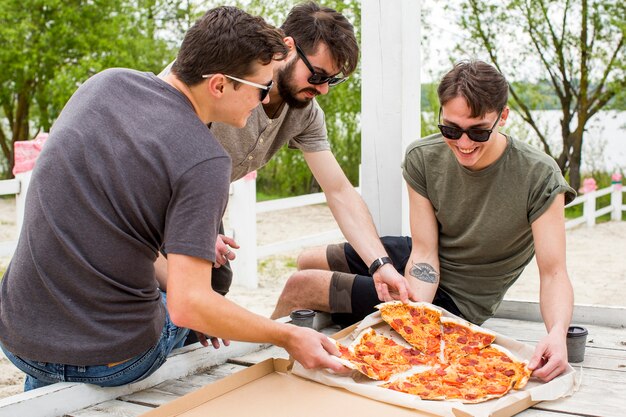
<point>51,46</point>
<point>576,47</point>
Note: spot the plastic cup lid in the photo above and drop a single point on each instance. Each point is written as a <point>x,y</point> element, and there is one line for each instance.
<point>302,313</point>
<point>576,331</point>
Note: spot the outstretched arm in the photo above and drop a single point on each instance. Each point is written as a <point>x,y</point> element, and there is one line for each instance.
<point>356,224</point>
<point>422,269</point>
<point>193,304</point>
<point>556,297</point>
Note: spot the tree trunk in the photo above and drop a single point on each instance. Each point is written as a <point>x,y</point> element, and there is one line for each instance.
<point>575,156</point>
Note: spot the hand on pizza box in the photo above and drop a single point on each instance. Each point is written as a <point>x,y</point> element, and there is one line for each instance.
<point>312,349</point>
<point>391,285</point>
<point>550,357</point>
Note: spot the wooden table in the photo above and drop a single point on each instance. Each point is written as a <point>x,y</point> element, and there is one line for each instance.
<point>602,391</point>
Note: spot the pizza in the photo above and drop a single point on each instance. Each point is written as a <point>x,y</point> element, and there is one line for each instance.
<point>418,323</point>
<point>488,373</point>
<point>379,357</point>
<point>460,361</point>
<point>461,338</point>
<point>497,365</point>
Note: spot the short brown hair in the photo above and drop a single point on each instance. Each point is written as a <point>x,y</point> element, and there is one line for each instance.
<point>227,40</point>
<point>484,88</point>
<point>309,24</point>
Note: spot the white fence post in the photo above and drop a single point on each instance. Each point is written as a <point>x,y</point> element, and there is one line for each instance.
<point>616,197</point>
<point>242,216</point>
<point>589,209</point>
<point>20,199</point>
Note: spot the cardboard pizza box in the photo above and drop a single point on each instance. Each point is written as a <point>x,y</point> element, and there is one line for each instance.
<point>269,389</point>
<point>277,387</point>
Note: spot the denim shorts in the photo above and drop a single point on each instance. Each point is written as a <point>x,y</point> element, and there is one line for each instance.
<point>40,374</point>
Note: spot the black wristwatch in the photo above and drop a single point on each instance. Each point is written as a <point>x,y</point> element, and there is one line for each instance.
<point>378,263</point>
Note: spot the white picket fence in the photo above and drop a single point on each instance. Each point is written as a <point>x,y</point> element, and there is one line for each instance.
<point>243,209</point>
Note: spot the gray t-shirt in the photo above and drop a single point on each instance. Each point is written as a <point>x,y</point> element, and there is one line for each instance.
<point>484,217</point>
<point>253,146</point>
<point>122,176</point>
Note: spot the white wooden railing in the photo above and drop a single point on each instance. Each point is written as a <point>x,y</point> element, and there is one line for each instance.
<point>243,210</point>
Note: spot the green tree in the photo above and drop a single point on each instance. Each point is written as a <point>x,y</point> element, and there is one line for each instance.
<point>51,46</point>
<point>575,46</point>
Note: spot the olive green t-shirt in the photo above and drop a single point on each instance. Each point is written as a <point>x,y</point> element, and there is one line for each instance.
<point>484,217</point>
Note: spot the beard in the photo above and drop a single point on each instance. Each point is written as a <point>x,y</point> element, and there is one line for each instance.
<point>286,89</point>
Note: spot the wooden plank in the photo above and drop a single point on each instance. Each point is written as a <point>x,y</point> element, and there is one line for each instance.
<point>599,336</point>
<point>63,398</point>
<point>601,394</point>
<point>583,313</point>
<point>532,412</point>
<point>259,356</point>
<point>172,389</point>
<point>111,408</point>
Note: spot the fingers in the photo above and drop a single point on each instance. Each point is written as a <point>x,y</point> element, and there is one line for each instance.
<point>550,370</point>
<point>215,342</point>
<point>229,241</point>
<point>330,346</point>
<point>202,339</point>
<point>402,292</point>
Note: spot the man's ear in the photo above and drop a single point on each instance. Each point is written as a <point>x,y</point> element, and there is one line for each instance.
<point>216,85</point>
<point>291,44</point>
<point>504,116</point>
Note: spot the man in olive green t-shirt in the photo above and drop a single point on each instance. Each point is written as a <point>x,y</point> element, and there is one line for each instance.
<point>482,204</point>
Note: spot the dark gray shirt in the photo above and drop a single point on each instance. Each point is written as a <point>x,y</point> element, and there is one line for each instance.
<point>128,170</point>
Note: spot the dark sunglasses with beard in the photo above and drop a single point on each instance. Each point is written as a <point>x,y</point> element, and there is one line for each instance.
<point>317,78</point>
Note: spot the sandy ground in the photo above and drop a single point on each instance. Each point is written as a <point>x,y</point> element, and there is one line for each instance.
<point>596,265</point>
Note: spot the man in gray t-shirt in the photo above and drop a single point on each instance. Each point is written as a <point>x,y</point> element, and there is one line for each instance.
<point>481,205</point>
<point>130,171</point>
<point>323,51</point>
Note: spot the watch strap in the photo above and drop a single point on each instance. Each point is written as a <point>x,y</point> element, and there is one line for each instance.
<point>378,263</point>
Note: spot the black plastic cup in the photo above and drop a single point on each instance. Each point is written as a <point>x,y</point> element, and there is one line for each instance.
<point>576,341</point>
<point>302,318</point>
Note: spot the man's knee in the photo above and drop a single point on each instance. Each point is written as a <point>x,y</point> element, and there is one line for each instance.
<point>298,282</point>
<point>313,258</point>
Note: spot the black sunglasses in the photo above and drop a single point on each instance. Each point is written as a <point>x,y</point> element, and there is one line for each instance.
<point>477,135</point>
<point>317,78</point>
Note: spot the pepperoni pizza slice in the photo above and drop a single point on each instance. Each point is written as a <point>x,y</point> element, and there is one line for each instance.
<point>461,338</point>
<point>379,357</point>
<point>497,365</point>
<point>418,323</point>
<point>427,385</point>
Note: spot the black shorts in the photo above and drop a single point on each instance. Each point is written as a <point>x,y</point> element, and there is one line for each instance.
<point>352,292</point>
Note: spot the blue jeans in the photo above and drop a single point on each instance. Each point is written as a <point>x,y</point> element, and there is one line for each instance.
<point>40,374</point>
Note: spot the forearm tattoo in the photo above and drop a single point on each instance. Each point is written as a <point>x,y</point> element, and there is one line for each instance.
<point>424,272</point>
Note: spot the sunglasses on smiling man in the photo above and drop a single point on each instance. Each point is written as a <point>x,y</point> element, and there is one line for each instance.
<point>477,135</point>
<point>265,89</point>
<point>316,78</point>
